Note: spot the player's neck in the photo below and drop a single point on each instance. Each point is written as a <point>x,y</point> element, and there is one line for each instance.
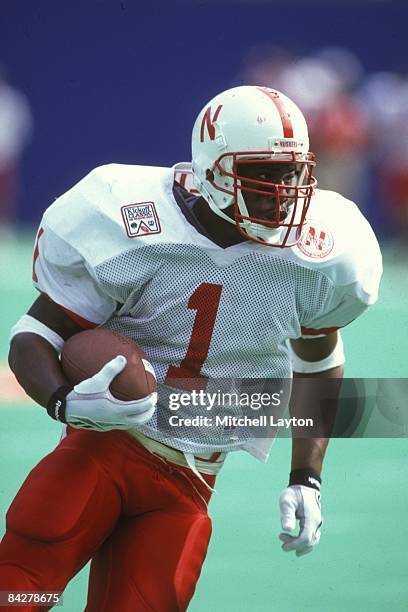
<point>221,232</point>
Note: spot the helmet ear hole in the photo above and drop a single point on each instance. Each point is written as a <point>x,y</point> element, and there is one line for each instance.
<point>209,175</point>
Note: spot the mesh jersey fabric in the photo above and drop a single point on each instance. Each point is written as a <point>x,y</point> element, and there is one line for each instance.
<point>254,318</point>
<point>142,285</point>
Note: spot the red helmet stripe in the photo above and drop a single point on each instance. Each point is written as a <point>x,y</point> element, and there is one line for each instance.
<point>285,118</point>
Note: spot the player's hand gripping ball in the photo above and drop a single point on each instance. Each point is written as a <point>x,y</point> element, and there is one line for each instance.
<point>86,353</point>
<point>114,382</point>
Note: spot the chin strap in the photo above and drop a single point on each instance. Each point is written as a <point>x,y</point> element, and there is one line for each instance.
<point>262,232</point>
<point>254,230</point>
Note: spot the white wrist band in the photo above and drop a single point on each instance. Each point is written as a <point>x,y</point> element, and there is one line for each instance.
<point>335,359</point>
<point>28,324</point>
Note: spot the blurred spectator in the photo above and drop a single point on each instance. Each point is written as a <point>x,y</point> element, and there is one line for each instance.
<point>385,95</point>
<point>323,85</point>
<point>15,129</point>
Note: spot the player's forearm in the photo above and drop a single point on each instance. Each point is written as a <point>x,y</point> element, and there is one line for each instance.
<point>36,366</point>
<point>309,453</point>
<point>315,395</point>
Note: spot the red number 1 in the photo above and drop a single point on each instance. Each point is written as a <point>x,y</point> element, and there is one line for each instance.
<point>205,301</point>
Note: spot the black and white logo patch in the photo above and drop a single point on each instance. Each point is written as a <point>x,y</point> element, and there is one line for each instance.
<point>140,219</point>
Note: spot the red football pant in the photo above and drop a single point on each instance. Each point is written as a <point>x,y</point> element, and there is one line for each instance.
<point>103,496</point>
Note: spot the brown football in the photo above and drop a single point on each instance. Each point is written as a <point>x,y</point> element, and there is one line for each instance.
<point>85,353</point>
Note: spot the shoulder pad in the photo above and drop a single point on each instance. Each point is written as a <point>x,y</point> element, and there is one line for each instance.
<point>338,241</point>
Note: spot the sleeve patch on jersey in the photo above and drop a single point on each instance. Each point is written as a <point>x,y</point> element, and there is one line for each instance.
<point>316,241</point>
<point>140,219</point>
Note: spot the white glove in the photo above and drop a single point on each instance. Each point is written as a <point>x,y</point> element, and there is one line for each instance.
<point>302,503</point>
<point>91,405</point>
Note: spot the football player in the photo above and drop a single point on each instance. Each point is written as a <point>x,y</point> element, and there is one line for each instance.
<point>233,266</point>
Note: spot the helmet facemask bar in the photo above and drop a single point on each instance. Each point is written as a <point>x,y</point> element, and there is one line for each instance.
<point>291,200</point>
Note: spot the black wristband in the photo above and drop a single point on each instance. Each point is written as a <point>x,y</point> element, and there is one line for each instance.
<point>305,477</point>
<point>56,404</point>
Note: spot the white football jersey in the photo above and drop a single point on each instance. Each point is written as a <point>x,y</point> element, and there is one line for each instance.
<point>118,250</point>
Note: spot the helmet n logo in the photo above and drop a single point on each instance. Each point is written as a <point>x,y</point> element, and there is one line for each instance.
<point>208,123</point>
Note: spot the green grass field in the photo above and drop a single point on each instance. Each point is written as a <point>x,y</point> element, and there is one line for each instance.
<point>361,562</point>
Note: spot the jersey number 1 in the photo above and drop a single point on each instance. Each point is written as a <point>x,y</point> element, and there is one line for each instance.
<point>205,301</point>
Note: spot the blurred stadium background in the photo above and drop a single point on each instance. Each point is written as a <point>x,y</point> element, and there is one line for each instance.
<point>89,83</point>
